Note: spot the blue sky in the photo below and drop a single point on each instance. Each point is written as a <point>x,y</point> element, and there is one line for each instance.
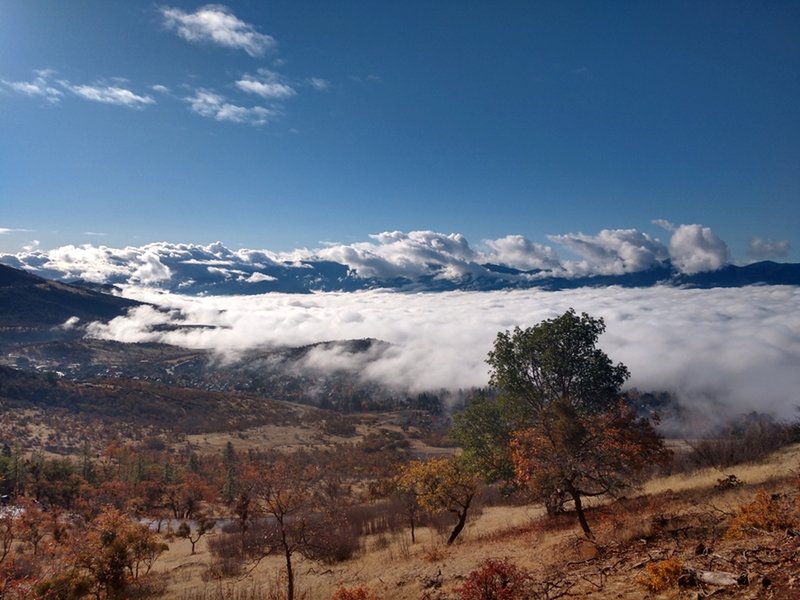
<point>286,124</point>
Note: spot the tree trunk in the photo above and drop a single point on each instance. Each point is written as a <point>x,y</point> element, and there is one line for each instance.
<point>289,576</point>
<point>462,518</point>
<point>581,516</point>
<point>413,539</point>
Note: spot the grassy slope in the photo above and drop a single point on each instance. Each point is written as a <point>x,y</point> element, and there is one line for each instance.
<point>672,517</point>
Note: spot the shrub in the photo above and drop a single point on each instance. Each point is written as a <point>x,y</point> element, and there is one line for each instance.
<point>747,443</point>
<point>496,580</point>
<point>765,513</point>
<point>68,585</point>
<point>662,575</point>
<point>434,553</point>
<point>227,555</point>
<point>355,593</point>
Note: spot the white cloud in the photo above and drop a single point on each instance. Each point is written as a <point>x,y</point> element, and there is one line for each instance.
<point>739,347</point>
<point>664,224</point>
<point>109,94</point>
<point>694,249</point>
<point>43,86</point>
<point>521,253</point>
<point>98,264</point>
<point>70,323</point>
<point>257,277</point>
<point>268,84</point>
<point>168,265</point>
<point>765,249</point>
<point>161,89</point>
<point>614,251</point>
<point>399,254</point>
<point>216,24</point>
<point>415,258</point>
<point>318,83</point>
<point>151,270</point>
<point>7,230</point>
<point>213,106</point>
<point>40,86</point>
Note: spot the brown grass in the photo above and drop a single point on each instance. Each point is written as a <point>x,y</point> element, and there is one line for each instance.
<point>681,519</point>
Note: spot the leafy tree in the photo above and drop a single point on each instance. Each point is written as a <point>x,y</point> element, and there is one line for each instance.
<point>230,487</point>
<point>484,431</point>
<point>440,485</point>
<point>572,437</point>
<point>204,525</point>
<point>557,359</point>
<point>583,455</point>
<point>117,551</point>
<point>184,498</point>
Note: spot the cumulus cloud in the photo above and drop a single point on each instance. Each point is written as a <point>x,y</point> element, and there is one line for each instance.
<point>413,254</point>
<point>615,251</point>
<point>738,348</point>
<point>413,260</point>
<point>173,266</point>
<point>151,270</point>
<point>213,106</point>
<point>765,249</point>
<point>40,86</point>
<point>110,94</point>
<point>267,84</point>
<point>694,249</point>
<point>521,253</point>
<point>216,24</point>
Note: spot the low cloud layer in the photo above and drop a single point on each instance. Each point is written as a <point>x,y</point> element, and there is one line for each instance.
<point>725,349</point>
<point>386,256</point>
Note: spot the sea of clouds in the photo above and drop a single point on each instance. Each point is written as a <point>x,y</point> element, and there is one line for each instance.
<point>723,351</point>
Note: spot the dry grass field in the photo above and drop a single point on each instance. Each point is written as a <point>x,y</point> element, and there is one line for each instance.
<point>682,519</point>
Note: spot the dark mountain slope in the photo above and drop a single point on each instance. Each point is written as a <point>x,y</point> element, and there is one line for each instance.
<point>28,301</point>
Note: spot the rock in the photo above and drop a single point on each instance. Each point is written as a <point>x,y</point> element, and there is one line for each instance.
<point>717,578</point>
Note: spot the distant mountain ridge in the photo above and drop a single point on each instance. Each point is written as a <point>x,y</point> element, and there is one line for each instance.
<point>328,276</point>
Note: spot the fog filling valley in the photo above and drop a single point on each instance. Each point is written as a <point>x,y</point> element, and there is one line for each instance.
<point>721,351</point>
